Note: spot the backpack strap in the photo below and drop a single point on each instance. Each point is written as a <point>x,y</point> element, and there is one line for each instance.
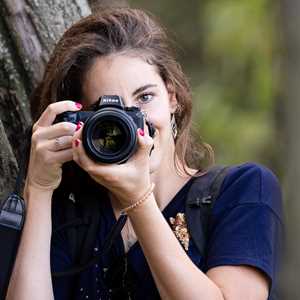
<point>203,192</point>
<point>82,228</point>
<point>82,225</point>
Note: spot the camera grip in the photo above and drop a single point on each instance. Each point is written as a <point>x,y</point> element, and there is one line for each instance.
<point>73,117</point>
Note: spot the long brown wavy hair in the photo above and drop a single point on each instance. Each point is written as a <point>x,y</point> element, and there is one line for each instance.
<point>121,30</point>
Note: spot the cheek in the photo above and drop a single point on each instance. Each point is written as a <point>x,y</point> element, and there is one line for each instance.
<point>160,118</point>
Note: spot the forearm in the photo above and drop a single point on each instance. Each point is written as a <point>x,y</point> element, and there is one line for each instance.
<point>175,274</point>
<point>31,276</point>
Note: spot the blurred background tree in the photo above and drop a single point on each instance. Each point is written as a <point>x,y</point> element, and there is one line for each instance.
<point>290,111</point>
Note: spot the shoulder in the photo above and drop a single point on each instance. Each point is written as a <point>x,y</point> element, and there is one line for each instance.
<point>250,184</point>
<point>246,226</point>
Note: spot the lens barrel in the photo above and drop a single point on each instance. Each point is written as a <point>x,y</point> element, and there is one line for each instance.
<point>109,136</point>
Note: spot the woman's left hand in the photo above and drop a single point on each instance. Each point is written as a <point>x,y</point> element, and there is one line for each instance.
<point>128,181</point>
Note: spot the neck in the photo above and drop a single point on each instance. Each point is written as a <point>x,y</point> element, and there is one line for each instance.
<point>168,181</point>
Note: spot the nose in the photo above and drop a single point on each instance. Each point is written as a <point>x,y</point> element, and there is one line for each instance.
<point>127,100</point>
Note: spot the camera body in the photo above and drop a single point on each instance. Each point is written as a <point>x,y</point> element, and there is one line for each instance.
<point>109,133</point>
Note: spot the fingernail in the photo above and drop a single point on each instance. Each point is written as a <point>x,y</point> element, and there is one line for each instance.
<point>78,105</point>
<point>78,126</point>
<point>77,142</point>
<point>141,132</point>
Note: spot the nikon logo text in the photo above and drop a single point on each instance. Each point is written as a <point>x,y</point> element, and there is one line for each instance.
<point>110,100</point>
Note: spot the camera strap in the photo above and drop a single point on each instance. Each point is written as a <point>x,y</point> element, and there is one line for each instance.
<point>109,240</point>
<point>12,217</point>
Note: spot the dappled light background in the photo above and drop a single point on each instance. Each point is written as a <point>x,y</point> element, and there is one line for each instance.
<point>229,49</point>
<point>242,61</point>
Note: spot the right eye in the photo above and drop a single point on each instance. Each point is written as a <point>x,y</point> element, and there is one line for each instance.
<point>145,98</point>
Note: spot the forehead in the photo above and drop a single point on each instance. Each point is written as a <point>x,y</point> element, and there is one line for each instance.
<point>118,74</point>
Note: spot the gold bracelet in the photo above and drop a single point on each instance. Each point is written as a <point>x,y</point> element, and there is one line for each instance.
<point>139,202</point>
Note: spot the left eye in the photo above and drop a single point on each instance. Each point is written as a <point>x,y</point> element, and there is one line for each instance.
<point>145,98</point>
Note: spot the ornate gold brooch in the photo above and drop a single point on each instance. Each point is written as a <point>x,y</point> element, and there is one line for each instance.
<point>179,227</point>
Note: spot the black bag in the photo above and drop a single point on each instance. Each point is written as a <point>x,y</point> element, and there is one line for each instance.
<point>12,214</point>
<point>12,217</point>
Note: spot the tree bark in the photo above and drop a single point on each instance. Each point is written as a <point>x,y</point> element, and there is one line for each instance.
<point>99,4</point>
<point>8,164</point>
<point>291,110</point>
<point>29,30</point>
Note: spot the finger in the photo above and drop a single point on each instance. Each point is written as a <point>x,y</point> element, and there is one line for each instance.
<point>80,156</point>
<point>48,157</point>
<point>105,171</point>
<point>54,109</point>
<point>78,132</point>
<point>55,131</point>
<point>63,156</point>
<point>145,143</point>
<point>60,143</point>
<point>89,165</point>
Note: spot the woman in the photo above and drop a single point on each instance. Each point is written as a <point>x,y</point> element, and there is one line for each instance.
<point>124,52</point>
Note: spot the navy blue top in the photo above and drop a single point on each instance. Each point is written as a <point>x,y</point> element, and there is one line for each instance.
<point>246,229</point>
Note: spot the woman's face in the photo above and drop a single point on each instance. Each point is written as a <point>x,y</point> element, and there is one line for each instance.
<point>139,84</point>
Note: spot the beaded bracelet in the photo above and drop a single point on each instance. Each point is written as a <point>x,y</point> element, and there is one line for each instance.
<point>139,202</point>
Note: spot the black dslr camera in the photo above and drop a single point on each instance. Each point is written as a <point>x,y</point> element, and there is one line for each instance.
<point>109,132</point>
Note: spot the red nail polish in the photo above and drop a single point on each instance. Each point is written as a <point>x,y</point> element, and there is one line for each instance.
<point>77,142</point>
<point>78,105</point>
<point>79,124</point>
<point>141,132</point>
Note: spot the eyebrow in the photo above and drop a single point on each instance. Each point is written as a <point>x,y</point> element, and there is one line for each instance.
<point>143,88</point>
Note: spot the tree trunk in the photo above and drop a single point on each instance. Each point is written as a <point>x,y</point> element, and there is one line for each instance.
<point>291,109</point>
<point>98,4</point>
<point>28,31</point>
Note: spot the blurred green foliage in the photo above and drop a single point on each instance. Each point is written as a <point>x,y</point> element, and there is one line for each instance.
<point>229,50</point>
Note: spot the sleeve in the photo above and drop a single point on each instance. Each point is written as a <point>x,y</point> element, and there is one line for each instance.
<point>246,225</point>
<point>60,258</point>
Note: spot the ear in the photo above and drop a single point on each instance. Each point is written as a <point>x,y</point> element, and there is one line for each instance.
<point>173,103</point>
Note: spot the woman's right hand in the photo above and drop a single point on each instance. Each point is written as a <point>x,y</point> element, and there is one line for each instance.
<point>51,146</point>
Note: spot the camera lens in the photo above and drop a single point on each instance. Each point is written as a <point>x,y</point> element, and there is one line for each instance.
<point>108,137</point>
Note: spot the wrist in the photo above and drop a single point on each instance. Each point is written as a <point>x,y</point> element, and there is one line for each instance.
<point>32,192</point>
<point>32,186</point>
<point>144,209</point>
<point>141,200</point>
